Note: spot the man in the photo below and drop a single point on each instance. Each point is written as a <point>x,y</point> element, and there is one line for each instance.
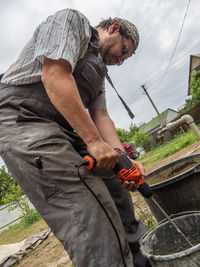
<point>45,131</point>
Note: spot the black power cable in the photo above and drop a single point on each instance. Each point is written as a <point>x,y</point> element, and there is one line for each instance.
<point>102,206</point>
<point>179,35</point>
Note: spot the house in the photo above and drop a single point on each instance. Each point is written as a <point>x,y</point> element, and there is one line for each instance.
<point>153,126</point>
<point>194,65</point>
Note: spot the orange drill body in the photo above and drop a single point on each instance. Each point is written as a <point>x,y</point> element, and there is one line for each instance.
<point>126,171</point>
<point>133,174</point>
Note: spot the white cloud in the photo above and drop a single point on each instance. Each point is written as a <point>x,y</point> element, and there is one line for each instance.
<point>165,40</point>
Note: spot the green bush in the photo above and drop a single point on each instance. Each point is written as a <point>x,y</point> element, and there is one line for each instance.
<point>30,217</point>
<point>126,136</point>
<point>142,140</point>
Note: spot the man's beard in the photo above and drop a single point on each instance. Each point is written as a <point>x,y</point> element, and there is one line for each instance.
<point>105,55</point>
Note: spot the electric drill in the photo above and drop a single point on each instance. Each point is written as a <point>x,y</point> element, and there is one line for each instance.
<point>126,171</point>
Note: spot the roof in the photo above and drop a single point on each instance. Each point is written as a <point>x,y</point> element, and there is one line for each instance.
<point>196,55</point>
<point>155,122</point>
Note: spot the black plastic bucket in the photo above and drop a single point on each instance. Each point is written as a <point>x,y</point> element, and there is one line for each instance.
<point>176,186</point>
<point>164,247</point>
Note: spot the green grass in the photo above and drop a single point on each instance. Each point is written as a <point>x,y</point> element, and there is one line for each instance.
<point>147,218</point>
<point>169,148</point>
<point>23,226</point>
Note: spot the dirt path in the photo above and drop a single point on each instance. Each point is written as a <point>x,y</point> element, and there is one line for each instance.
<point>51,254</point>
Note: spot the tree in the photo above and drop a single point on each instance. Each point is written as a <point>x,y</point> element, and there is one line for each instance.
<point>195,87</point>
<point>17,198</point>
<point>124,136</point>
<point>133,129</point>
<point>142,140</point>
<point>195,92</point>
<point>11,193</point>
<point>7,184</point>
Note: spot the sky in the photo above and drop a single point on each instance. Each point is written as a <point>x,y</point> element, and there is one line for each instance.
<point>158,22</point>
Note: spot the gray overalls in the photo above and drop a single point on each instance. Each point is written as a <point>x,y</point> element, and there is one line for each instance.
<point>40,150</point>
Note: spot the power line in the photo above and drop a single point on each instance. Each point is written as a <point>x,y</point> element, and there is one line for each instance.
<point>154,75</point>
<point>179,35</point>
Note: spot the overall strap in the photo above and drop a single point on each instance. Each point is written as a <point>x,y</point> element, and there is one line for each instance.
<point>122,100</point>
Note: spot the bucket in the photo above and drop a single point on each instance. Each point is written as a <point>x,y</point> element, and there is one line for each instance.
<point>176,186</point>
<point>164,247</point>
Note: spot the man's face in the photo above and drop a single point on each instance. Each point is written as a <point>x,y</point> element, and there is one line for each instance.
<point>115,48</point>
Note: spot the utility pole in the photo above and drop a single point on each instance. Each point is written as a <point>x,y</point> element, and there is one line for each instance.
<point>145,90</point>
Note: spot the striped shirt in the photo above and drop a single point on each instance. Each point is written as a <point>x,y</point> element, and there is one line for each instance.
<point>63,35</point>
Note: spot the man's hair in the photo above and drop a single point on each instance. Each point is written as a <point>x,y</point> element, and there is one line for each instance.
<point>127,29</point>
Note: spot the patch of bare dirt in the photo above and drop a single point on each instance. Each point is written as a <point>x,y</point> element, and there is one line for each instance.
<point>51,253</point>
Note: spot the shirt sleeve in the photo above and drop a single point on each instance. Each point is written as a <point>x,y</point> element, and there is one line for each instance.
<point>64,35</point>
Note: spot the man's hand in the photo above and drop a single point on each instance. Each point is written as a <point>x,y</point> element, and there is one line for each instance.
<point>131,186</point>
<point>140,167</point>
<point>105,156</point>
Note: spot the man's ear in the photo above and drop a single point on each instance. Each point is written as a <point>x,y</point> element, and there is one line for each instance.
<point>114,28</point>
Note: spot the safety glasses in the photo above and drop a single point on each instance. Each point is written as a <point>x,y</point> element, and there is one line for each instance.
<point>124,50</point>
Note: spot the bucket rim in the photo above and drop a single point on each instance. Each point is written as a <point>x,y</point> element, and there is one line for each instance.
<point>177,215</point>
<point>173,255</point>
<point>175,178</point>
<point>175,161</point>
<point>173,217</point>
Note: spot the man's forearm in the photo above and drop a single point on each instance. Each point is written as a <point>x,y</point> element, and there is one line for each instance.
<point>110,135</point>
